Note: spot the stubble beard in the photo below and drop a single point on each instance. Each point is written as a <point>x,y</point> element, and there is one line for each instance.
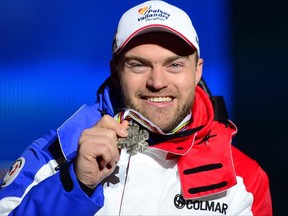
<point>161,117</point>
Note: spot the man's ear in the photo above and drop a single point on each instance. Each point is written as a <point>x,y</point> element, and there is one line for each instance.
<point>198,72</point>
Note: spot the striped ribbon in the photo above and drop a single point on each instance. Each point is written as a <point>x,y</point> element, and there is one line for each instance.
<point>130,114</point>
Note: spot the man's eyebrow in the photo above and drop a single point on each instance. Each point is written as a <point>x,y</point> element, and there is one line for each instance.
<point>174,58</point>
<point>146,61</point>
<point>136,58</point>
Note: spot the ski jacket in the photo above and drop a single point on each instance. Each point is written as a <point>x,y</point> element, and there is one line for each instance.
<point>199,173</point>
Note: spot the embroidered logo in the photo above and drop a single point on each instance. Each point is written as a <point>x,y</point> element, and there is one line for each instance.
<point>13,172</point>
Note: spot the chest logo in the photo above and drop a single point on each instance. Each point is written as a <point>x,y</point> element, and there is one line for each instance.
<point>200,205</point>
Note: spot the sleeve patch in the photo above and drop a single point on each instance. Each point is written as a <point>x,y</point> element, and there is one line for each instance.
<point>13,172</point>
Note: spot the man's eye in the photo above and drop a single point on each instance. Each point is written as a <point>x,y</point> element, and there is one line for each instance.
<point>175,65</point>
<point>137,67</point>
<point>133,64</point>
<point>175,68</point>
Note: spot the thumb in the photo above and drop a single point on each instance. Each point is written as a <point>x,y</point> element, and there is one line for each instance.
<point>109,122</point>
<point>125,124</point>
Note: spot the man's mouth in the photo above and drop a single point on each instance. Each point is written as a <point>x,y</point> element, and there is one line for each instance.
<point>159,99</point>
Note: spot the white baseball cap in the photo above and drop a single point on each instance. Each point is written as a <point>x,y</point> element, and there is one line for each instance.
<point>152,16</point>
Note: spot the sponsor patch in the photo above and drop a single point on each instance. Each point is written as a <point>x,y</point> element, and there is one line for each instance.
<point>13,172</point>
<point>200,205</point>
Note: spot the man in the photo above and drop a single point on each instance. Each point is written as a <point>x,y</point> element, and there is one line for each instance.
<point>152,144</point>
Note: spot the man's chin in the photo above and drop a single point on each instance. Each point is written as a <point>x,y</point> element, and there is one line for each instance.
<point>162,121</point>
<point>163,118</point>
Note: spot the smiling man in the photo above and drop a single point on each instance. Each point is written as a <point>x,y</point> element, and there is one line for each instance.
<point>157,74</point>
<point>154,143</point>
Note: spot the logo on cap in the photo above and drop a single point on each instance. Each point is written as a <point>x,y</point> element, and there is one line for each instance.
<point>152,14</point>
<point>144,9</point>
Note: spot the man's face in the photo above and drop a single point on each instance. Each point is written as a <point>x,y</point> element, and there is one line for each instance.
<point>159,83</point>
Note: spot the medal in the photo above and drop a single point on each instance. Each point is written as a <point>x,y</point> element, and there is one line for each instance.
<point>135,141</point>
<point>138,130</point>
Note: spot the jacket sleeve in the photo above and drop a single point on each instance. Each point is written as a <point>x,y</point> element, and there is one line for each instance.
<point>33,185</point>
<point>60,194</point>
<point>33,166</point>
<point>259,187</point>
<point>256,181</point>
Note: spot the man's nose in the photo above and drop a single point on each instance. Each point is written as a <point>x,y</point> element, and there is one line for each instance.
<point>157,79</point>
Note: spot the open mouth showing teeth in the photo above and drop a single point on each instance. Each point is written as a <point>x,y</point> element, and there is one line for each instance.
<point>160,99</point>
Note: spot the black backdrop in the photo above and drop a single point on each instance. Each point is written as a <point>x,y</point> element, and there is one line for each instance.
<point>261,78</point>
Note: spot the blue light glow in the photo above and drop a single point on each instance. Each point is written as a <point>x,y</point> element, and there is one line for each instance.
<point>55,54</point>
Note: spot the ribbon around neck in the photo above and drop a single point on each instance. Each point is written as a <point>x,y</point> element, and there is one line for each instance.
<point>129,114</point>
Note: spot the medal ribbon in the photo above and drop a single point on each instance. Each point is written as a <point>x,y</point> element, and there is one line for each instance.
<point>130,114</point>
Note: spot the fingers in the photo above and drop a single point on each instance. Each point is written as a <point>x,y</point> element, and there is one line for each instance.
<point>98,152</point>
<point>96,158</point>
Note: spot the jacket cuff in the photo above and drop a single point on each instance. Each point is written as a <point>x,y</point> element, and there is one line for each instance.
<point>89,191</point>
<point>70,182</point>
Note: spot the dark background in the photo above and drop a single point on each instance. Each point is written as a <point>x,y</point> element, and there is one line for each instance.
<point>261,96</point>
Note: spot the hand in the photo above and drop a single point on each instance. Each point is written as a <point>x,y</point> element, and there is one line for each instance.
<point>98,152</point>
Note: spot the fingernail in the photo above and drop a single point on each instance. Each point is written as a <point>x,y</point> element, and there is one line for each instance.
<point>103,164</point>
<point>124,132</point>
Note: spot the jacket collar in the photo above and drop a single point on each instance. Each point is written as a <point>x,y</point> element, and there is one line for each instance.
<point>205,163</point>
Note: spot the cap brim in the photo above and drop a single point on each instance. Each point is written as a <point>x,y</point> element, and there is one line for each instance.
<point>150,29</point>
